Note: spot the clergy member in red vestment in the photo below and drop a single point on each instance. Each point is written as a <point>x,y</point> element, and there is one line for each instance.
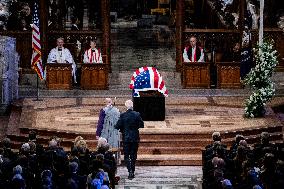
<point>193,53</point>
<point>93,54</point>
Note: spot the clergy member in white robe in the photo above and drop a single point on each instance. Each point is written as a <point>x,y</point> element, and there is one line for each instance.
<point>93,54</point>
<point>193,53</point>
<point>62,55</point>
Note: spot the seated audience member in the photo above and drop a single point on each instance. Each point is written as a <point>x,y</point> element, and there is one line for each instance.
<point>216,136</point>
<point>193,53</point>
<point>216,149</point>
<point>250,177</point>
<point>24,26</point>
<point>279,174</point>
<point>75,22</point>
<point>7,151</point>
<point>46,179</point>
<point>98,177</point>
<point>83,157</point>
<point>18,182</point>
<point>109,162</point>
<point>234,147</point>
<point>93,54</point>
<point>233,55</point>
<point>238,161</point>
<point>74,180</point>
<point>76,141</point>
<point>3,16</point>
<point>263,147</point>
<point>25,14</point>
<point>62,55</point>
<point>226,184</point>
<point>55,157</point>
<point>267,172</point>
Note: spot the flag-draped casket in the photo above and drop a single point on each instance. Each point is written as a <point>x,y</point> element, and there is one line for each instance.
<point>149,92</point>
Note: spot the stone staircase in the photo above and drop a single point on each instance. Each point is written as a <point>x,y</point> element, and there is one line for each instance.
<point>152,149</point>
<point>155,148</point>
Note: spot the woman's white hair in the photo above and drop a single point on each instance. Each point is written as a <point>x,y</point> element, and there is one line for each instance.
<point>101,142</point>
<point>108,101</point>
<point>129,104</point>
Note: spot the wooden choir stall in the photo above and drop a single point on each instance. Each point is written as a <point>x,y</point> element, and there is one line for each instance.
<point>94,76</point>
<point>228,75</point>
<point>196,75</point>
<point>58,76</point>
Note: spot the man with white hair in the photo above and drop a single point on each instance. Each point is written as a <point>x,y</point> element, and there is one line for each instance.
<point>61,54</point>
<point>108,118</point>
<point>193,53</point>
<point>129,124</point>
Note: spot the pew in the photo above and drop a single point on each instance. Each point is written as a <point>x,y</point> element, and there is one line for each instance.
<point>196,75</point>
<point>58,76</point>
<point>228,74</point>
<point>94,76</point>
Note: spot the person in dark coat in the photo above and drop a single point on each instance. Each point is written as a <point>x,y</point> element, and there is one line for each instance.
<point>129,124</point>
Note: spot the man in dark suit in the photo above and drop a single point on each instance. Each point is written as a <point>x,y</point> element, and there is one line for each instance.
<point>129,124</point>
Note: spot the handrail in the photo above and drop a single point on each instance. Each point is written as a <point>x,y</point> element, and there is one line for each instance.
<point>210,31</point>
<point>188,30</point>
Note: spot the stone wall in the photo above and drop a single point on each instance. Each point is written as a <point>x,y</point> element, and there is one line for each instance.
<point>133,48</point>
<point>9,63</point>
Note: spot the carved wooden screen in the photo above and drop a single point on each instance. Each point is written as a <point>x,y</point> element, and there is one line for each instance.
<point>196,75</point>
<point>59,76</point>
<point>228,75</point>
<point>94,76</point>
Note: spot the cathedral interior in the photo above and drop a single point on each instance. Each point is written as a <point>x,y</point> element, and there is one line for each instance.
<point>194,69</point>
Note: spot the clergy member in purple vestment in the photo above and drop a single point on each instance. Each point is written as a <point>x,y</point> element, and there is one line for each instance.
<point>108,118</point>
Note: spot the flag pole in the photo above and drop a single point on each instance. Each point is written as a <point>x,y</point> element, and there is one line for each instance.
<point>37,94</point>
<point>37,87</point>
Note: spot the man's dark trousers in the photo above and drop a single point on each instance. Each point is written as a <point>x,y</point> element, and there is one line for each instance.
<point>130,155</point>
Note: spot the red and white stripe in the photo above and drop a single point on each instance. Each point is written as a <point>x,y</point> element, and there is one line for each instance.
<point>36,56</point>
<point>156,81</point>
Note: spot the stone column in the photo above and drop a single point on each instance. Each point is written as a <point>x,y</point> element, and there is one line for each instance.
<point>179,32</point>
<point>105,8</point>
<point>9,62</point>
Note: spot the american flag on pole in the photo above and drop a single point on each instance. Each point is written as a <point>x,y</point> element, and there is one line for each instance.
<point>145,79</point>
<point>36,56</point>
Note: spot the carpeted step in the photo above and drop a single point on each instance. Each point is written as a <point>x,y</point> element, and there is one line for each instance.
<point>169,150</point>
<point>167,159</point>
<point>175,143</point>
<point>252,131</point>
<point>58,133</point>
<point>91,135</point>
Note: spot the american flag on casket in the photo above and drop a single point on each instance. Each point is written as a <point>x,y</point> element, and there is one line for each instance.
<point>145,79</point>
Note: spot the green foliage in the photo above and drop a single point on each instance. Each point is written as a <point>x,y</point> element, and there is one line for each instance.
<point>259,79</point>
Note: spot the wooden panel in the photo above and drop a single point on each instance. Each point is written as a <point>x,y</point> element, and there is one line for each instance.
<point>94,76</point>
<point>277,35</point>
<point>196,75</point>
<point>59,76</point>
<point>228,75</point>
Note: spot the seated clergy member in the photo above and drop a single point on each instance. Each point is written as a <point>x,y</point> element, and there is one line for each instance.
<point>93,54</point>
<point>60,54</point>
<point>193,53</point>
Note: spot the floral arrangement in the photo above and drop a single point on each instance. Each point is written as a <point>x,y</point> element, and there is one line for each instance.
<point>259,78</point>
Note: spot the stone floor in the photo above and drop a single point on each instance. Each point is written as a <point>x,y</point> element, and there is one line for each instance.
<point>184,114</point>
<point>162,177</point>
